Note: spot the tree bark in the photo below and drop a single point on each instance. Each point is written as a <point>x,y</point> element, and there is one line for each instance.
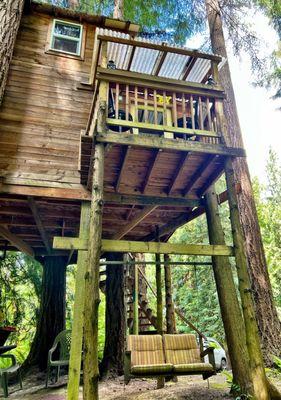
<point>265,310</point>
<point>52,310</point>
<point>92,298</point>
<point>118,11</point>
<point>260,384</point>
<point>230,310</point>
<point>170,307</point>
<point>113,356</point>
<point>10,17</point>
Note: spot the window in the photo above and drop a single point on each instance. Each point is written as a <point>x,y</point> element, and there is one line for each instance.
<point>66,37</point>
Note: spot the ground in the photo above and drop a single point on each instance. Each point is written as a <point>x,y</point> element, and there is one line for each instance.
<point>187,388</point>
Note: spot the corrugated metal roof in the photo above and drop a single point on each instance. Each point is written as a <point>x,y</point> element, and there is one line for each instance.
<point>147,61</point>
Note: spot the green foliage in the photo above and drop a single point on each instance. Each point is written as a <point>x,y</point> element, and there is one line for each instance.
<point>20,282</point>
<point>269,213</point>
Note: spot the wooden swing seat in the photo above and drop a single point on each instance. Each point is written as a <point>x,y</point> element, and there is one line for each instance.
<point>171,355</point>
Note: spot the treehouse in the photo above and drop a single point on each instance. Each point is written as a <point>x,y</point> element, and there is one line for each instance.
<point>109,143</point>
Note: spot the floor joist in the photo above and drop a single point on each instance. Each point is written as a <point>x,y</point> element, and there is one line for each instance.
<point>39,224</point>
<point>16,241</point>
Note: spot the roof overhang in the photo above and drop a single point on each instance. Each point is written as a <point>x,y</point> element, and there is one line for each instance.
<point>97,20</point>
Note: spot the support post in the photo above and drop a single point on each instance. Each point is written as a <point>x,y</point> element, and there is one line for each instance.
<point>78,310</point>
<point>92,300</point>
<point>260,383</point>
<point>159,295</point>
<point>170,308</point>
<point>230,309</point>
<point>136,301</point>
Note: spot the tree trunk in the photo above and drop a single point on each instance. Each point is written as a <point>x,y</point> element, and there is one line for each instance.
<point>10,17</point>
<point>230,310</point>
<point>170,307</point>
<point>118,11</point>
<point>265,310</point>
<point>113,355</point>
<point>261,388</point>
<point>92,298</point>
<point>52,310</point>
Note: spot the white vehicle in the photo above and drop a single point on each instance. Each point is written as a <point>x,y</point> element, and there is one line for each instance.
<point>219,353</point>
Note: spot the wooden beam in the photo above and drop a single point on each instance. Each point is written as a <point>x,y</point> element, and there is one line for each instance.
<point>135,221</point>
<point>159,47</point>
<point>153,161</point>
<point>79,193</point>
<point>144,200</point>
<point>125,246</point>
<point>198,173</point>
<point>159,63</point>
<point>122,168</point>
<point>188,67</point>
<point>157,82</point>
<point>153,142</point>
<point>212,179</point>
<point>178,172</point>
<point>16,241</point>
<point>39,223</point>
<point>162,128</point>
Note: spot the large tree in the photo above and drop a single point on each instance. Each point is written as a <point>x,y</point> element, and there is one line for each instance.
<point>51,319</point>
<point>268,322</point>
<point>115,324</point>
<point>10,17</point>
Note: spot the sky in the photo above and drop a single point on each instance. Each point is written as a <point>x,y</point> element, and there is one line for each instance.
<point>259,117</point>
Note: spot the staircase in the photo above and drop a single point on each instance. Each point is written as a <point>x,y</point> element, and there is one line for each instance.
<point>147,320</point>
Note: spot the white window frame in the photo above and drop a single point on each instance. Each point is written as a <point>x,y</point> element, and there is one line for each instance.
<point>57,35</point>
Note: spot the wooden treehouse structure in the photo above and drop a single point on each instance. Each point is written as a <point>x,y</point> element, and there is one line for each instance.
<point>109,143</point>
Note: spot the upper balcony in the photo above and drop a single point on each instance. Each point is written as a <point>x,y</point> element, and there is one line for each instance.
<point>157,89</point>
<point>158,98</point>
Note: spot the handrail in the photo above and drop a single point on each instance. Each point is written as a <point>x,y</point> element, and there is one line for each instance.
<point>157,82</point>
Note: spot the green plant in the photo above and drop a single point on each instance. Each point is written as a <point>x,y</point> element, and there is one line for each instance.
<point>235,388</point>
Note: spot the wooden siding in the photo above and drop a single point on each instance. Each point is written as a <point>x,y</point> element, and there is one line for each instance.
<point>43,112</point>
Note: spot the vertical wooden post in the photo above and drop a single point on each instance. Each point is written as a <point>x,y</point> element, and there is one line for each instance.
<point>91,368</point>
<point>160,380</point>
<point>159,295</point>
<point>170,308</point>
<point>261,388</point>
<point>136,301</point>
<point>78,309</point>
<point>230,309</point>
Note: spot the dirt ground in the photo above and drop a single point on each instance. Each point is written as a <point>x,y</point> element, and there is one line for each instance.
<point>187,388</point>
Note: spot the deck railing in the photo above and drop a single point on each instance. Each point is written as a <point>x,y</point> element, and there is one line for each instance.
<point>176,115</point>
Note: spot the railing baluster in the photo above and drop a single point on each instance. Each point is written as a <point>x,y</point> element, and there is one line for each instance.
<point>136,104</point>
<point>164,108</point>
<point>127,103</point>
<point>183,110</point>
<point>175,115</point>
<point>209,114</point>
<point>155,107</point>
<point>145,106</point>
<point>117,101</point>
<point>192,112</point>
<point>201,123</point>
